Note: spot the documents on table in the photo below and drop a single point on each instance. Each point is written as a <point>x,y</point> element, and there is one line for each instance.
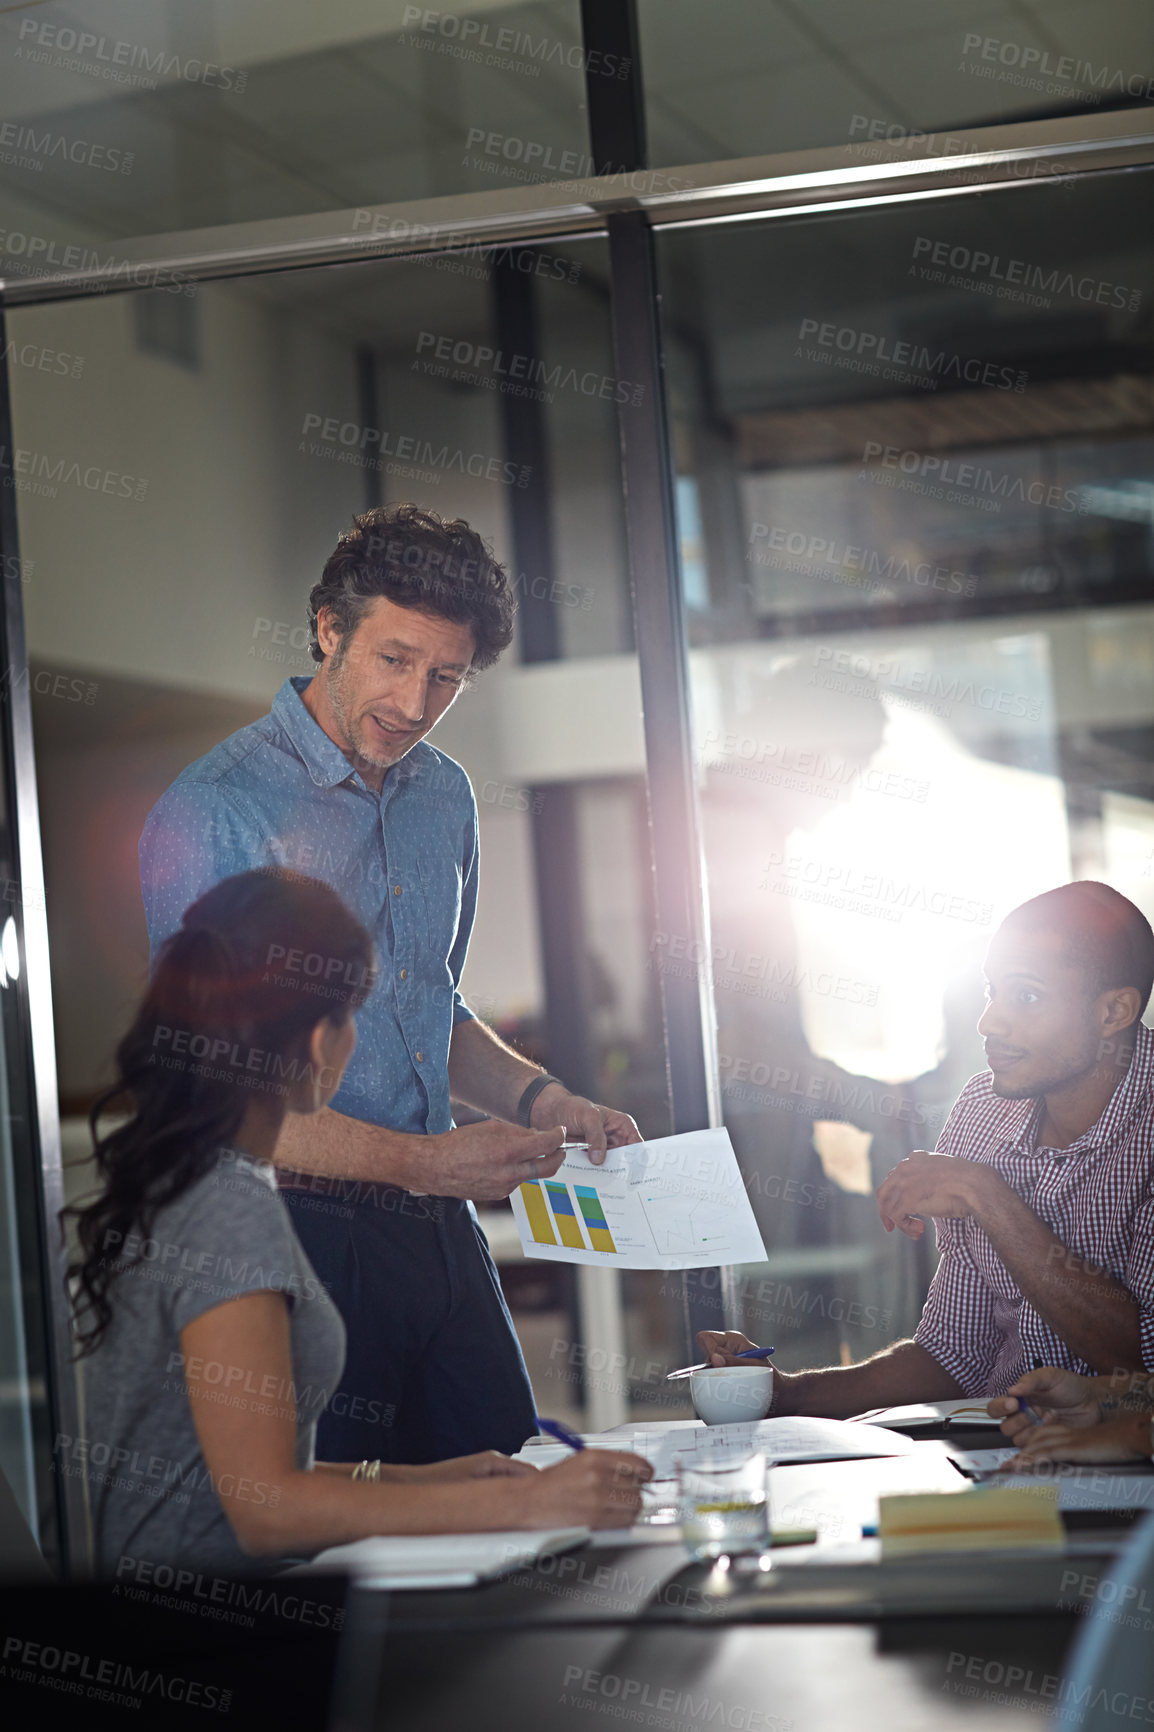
<point>791,1438</point>
<point>676,1203</point>
<point>927,1413</point>
<point>444,1560</point>
<point>1080,1487</point>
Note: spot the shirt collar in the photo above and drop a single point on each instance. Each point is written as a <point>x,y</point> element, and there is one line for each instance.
<point>322,757</point>
<point>1132,1092</point>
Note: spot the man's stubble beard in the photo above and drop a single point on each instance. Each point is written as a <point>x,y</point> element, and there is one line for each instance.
<point>337,678</point>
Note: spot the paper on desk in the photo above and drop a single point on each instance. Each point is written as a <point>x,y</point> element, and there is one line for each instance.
<point>443,1560</point>
<point>676,1203</point>
<point>1079,1487</point>
<point>790,1438</point>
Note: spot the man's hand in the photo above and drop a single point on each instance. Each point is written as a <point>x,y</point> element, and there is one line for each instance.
<point>925,1184</point>
<point>584,1121</point>
<point>722,1346</point>
<point>1062,1398</point>
<point>487,1161</point>
<point>1118,1440</point>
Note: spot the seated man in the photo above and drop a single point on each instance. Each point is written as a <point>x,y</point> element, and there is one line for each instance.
<point>1101,1419</point>
<point>1042,1189</point>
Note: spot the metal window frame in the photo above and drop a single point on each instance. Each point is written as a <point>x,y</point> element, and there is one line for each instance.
<point>627,206</point>
<point>797,183</point>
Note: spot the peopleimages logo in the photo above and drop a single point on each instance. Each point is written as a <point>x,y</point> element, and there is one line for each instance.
<point>869,351</point>
<point>969,482</point>
<point>1014,276</point>
<point>108,57</point>
<point>483,364</point>
<point>24,147</point>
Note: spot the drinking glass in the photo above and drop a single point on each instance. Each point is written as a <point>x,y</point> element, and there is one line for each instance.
<point>724,1509</point>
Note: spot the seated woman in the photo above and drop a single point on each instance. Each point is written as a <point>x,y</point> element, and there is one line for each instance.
<point>1100,1419</point>
<point>214,1345</point>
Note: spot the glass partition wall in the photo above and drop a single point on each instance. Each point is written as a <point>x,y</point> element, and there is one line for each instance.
<point>830,529</point>
<point>914,456</point>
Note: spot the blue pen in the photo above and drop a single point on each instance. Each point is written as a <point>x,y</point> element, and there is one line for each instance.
<point>1035,1365</point>
<point>688,1370</point>
<point>554,1428</point>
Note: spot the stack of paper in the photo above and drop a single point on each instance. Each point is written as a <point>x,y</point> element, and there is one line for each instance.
<point>986,1518</point>
<point>444,1560</point>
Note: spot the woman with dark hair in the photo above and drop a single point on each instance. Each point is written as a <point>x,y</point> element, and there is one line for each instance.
<point>214,1346</point>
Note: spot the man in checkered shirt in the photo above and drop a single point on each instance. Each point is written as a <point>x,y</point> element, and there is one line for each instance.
<point>1042,1187</point>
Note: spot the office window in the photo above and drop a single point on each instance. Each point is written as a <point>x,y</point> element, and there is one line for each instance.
<point>122,120</point>
<point>921,440</point>
<point>753,77</point>
<point>172,582</point>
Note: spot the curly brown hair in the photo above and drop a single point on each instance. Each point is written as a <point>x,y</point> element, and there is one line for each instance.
<point>418,560</point>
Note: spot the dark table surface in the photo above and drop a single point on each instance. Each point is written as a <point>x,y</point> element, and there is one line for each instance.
<point>637,1636</point>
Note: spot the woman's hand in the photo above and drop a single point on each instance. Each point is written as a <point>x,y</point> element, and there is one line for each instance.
<point>593,1488</point>
<point>1125,1439</point>
<point>1062,1398</point>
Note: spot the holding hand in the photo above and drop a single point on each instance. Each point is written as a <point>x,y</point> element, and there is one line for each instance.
<point>584,1121</point>
<point>487,1161</point>
<point>1118,1440</point>
<point>1062,1399</point>
<point>722,1346</point>
<point>593,1488</point>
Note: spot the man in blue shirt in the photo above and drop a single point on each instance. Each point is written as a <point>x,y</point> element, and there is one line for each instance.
<point>337,781</point>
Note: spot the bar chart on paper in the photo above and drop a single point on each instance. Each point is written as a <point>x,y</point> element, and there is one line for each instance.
<point>677,1203</point>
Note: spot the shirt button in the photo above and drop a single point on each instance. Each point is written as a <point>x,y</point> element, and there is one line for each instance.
<point>404,974</point>
<point>396,890</point>
<point>420,1058</point>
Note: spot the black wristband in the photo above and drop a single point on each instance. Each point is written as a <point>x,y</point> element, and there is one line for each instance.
<point>525,1104</point>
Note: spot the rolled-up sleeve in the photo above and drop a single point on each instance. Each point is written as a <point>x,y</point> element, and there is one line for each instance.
<point>469,884</point>
<point>957,1326</point>
<point>1139,1277</point>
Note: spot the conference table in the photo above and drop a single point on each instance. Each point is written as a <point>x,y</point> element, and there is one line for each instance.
<point>817,1638</point>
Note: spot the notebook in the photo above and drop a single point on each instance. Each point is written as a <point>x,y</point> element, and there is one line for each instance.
<point>927,1413</point>
<point>984,1518</point>
<point>444,1560</point>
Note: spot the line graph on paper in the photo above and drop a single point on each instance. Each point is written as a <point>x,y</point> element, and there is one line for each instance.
<point>683,1228</point>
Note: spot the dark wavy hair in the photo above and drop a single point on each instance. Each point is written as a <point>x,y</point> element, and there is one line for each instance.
<point>258,961</point>
<point>418,560</point>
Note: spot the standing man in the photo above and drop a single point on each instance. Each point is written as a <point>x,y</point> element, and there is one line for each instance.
<point>337,781</point>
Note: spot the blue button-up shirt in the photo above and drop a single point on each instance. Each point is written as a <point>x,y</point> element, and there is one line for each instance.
<point>280,792</point>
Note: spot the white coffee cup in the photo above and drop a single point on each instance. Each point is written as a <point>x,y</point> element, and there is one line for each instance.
<point>728,1394</point>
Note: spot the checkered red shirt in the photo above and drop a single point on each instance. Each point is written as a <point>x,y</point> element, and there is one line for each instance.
<point>1097,1197</point>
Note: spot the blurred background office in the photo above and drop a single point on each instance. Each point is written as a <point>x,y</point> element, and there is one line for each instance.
<point>909,447</point>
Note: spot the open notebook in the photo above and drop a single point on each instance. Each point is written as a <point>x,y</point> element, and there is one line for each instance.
<point>444,1560</point>
<point>920,1414</point>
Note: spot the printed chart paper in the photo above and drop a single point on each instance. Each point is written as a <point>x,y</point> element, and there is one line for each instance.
<point>677,1203</point>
